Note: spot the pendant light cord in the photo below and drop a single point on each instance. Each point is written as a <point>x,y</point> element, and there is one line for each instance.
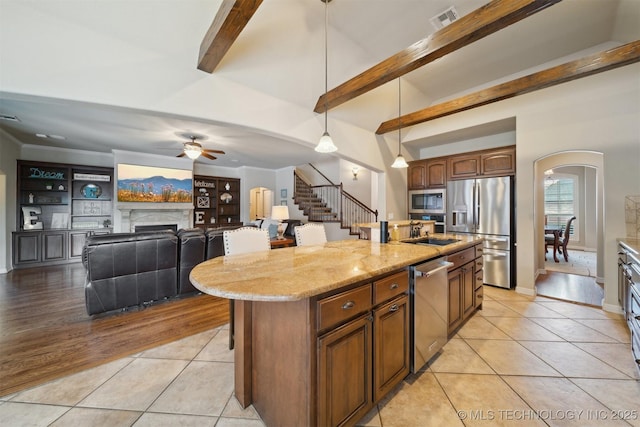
<point>326,60</point>
<point>399,114</point>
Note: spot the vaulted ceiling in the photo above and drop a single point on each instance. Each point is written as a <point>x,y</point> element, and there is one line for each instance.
<point>123,75</point>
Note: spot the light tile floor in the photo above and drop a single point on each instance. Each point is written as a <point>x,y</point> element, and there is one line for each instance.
<point>520,361</point>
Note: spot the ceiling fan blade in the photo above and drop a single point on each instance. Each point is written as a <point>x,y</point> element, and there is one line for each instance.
<point>181,154</point>
<point>208,156</point>
<point>213,151</point>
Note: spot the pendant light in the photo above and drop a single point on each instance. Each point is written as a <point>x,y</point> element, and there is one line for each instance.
<point>325,145</point>
<point>399,162</point>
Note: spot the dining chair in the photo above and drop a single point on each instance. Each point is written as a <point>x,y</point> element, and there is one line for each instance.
<point>243,240</point>
<point>310,234</point>
<point>564,239</point>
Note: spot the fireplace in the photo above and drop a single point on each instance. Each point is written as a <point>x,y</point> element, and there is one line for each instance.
<point>130,216</point>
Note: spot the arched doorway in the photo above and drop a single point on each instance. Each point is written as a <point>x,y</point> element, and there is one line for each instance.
<point>592,162</point>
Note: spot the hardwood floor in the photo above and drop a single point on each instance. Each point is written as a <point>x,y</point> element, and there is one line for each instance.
<point>570,287</point>
<point>45,332</point>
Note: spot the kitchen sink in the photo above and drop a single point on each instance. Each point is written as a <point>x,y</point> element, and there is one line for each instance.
<point>434,241</point>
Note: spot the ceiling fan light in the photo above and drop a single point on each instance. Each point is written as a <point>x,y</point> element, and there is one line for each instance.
<point>326,145</point>
<point>400,162</point>
<point>192,152</point>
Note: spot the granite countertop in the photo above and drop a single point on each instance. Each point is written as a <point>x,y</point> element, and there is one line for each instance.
<point>296,273</point>
<point>399,223</point>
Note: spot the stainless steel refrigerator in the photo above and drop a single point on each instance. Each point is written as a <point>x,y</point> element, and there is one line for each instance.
<point>484,206</point>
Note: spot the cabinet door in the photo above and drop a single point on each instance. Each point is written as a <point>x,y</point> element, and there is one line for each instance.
<point>391,345</point>
<point>76,243</point>
<point>468,289</point>
<point>455,299</point>
<point>26,248</point>
<point>501,162</point>
<point>436,171</point>
<point>344,373</point>
<point>466,166</point>
<point>417,175</point>
<point>54,246</point>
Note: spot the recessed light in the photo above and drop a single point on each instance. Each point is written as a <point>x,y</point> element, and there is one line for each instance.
<point>41,135</point>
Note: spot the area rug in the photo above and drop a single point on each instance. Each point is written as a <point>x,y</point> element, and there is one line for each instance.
<point>582,263</point>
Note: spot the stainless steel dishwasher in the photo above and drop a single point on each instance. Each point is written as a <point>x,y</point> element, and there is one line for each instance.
<point>429,309</point>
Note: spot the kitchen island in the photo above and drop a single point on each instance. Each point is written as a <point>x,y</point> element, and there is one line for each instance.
<point>321,332</point>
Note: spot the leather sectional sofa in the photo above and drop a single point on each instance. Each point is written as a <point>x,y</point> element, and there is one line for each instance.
<point>131,269</point>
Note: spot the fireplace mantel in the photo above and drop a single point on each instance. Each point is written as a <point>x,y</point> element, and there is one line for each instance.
<point>132,214</point>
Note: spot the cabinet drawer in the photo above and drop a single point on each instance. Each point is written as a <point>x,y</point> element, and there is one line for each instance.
<point>478,264</point>
<point>479,280</point>
<point>338,308</point>
<point>479,296</point>
<point>479,251</point>
<point>389,287</point>
<point>460,258</point>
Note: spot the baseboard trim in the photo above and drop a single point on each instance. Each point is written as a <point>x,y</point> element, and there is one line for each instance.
<point>526,291</point>
<point>612,308</point>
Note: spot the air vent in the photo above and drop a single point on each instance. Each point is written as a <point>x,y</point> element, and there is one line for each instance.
<point>445,18</point>
<point>9,118</point>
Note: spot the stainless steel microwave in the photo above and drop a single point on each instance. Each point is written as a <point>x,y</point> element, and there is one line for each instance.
<point>431,201</point>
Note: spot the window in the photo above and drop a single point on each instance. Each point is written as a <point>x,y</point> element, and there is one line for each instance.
<point>561,201</point>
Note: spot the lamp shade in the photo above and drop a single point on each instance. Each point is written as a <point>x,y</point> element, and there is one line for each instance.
<point>326,145</point>
<point>280,212</point>
<point>400,162</point>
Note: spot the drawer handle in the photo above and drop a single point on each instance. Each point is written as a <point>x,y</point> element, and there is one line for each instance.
<point>638,317</point>
<point>347,305</point>
<point>479,296</point>
<point>394,307</point>
<point>394,286</point>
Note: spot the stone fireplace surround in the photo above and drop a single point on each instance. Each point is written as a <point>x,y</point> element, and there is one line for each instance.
<point>131,214</point>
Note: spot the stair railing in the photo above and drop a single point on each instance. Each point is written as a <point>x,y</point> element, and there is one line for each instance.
<point>330,203</point>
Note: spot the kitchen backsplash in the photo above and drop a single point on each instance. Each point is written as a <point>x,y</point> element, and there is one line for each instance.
<point>632,216</point>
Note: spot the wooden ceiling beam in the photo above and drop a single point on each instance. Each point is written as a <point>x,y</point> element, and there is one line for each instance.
<point>593,64</point>
<point>488,19</point>
<point>230,20</point>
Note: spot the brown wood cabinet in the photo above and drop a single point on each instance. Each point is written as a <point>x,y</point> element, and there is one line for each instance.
<point>498,162</point>
<point>325,360</point>
<point>344,373</point>
<point>216,201</point>
<point>479,278</point>
<point>391,345</point>
<point>463,286</point>
<point>493,162</point>
<point>431,173</point>
<point>417,175</point>
<point>362,360</point>
<point>464,166</point>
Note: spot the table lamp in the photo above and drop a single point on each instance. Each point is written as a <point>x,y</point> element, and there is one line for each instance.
<point>280,213</point>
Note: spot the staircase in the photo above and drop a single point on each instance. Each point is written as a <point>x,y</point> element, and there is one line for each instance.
<point>330,203</point>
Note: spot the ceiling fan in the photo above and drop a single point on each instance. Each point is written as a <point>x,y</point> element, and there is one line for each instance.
<point>193,150</point>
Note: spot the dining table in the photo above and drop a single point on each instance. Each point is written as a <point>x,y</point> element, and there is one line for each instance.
<point>556,231</point>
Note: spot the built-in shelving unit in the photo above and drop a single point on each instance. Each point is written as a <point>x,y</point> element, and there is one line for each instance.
<point>216,201</point>
<point>58,204</point>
